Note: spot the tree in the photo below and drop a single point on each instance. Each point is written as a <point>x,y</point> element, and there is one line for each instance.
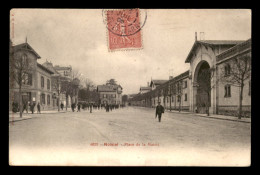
<point>124,99</point>
<point>58,83</point>
<point>179,88</point>
<point>111,82</point>
<point>236,72</point>
<point>204,85</point>
<point>20,71</point>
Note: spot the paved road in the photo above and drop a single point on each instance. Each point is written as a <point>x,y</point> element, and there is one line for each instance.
<point>129,136</point>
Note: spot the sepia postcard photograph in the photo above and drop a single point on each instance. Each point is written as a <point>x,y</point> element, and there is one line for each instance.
<point>130,87</point>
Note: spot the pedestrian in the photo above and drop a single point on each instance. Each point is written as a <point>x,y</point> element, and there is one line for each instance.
<point>159,111</point>
<point>38,108</point>
<point>24,107</point>
<point>107,108</point>
<point>61,105</point>
<point>90,107</point>
<point>72,107</point>
<point>32,107</point>
<point>78,107</point>
<point>27,107</point>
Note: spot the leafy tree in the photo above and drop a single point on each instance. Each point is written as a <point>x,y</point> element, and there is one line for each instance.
<point>111,82</point>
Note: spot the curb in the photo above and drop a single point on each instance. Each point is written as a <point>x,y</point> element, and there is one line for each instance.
<point>236,120</point>
<point>20,120</point>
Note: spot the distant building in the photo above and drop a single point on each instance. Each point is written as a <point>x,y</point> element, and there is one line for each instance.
<point>65,71</point>
<point>110,94</point>
<point>155,83</point>
<point>145,89</point>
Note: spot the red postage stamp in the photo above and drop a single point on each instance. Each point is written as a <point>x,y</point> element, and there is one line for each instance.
<point>124,29</point>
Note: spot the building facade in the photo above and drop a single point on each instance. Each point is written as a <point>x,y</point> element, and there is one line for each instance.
<point>36,85</point>
<point>185,91</point>
<point>110,94</point>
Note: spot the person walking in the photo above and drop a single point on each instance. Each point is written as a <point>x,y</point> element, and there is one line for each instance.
<point>72,107</point>
<point>159,111</point>
<point>90,107</point>
<point>61,106</point>
<point>38,108</point>
<point>32,107</point>
<point>78,107</point>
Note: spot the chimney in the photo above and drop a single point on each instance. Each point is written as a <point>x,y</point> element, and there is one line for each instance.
<point>147,84</point>
<point>195,36</point>
<point>170,77</point>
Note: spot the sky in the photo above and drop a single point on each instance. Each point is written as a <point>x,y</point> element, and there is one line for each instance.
<point>78,37</point>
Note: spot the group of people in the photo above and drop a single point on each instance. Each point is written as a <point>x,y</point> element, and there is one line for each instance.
<point>29,106</point>
<point>74,105</point>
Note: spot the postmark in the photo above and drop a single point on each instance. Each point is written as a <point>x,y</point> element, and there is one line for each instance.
<point>124,28</point>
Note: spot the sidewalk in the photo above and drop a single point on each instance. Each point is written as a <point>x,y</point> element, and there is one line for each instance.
<point>16,116</point>
<point>13,117</point>
<point>215,116</point>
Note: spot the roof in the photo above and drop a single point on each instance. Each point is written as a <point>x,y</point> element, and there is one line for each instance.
<point>145,88</point>
<point>49,66</point>
<point>45,68</point>
<point>211,43</point>
<point>158,82</point>
<point>106,88</point>
<point>62,67</point>
<point>237,49</point>
<point>26,46</point>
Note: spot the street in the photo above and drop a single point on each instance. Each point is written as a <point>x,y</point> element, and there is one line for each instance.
<point>128,136</point>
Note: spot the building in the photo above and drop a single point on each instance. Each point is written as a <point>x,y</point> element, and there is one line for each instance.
<point>65,71</point>
<point>156,83</point>
<point>227,94</point>
<point>110,94</point>
<point>185,91</point>
<point>145,89</point>
<point>56,79</point>
<point>36,85</point>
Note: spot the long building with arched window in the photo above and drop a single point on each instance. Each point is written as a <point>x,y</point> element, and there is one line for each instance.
<point>219,76</point>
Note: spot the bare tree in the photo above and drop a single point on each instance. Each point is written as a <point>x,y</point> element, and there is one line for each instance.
<point>179,90</point>
<point>205,85</point>
<point>58,83</point>
<point>236,72</point>
<point>20,70</point>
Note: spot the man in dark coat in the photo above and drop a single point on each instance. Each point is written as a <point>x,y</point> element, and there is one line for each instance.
<point>78,107</point>
<point>38,108</point>
<point>159,111</point>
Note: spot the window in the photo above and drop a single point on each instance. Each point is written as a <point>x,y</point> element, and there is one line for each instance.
<point>48,99</point>
<point>249,90</point>
<point>27,80</point>
<point>172,98</point>
<point>42,81</point>
<point>227,91</point>
<point>104,95</point>
<point>42,99</point>
<point>227,70</point>
<point>185,97</point>
<point>179,99</point>
<point>185,84</point>
<point>167,99</point>
<point>48,84</point>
